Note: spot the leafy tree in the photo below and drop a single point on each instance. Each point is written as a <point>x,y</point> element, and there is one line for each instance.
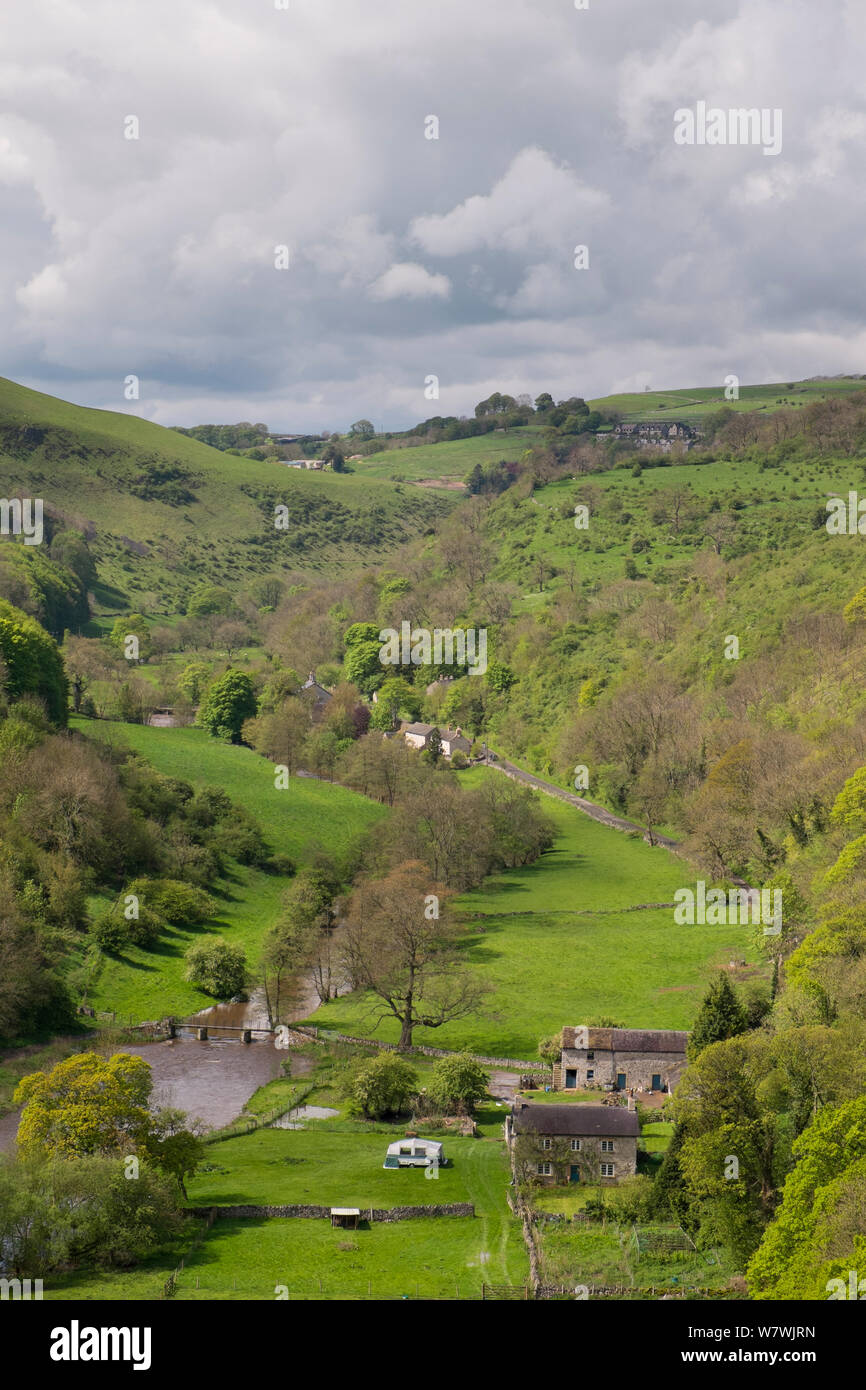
<point>193,679</point>
<point>364,429</point>
<point>457,1084</point>
<point>216,966</point>
<point>180,903</point>
<point>395,698</point>
<point>828,1155</point>
<point>131,625</point>
<point>363,666</point>
<point>383,1085</point>
<point>333,454</point>
<point>720,1016</point>
<point>228,703</point>
<point>208,599</point>
<point>30,662</point>
<point>434,747</point>
<point>85,1105</point>
<point>849,808</point>
<point>173,1146</point>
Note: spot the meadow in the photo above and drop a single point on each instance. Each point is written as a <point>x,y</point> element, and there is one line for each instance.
<point>450,460</point>
<point>559,945</point>
<point>304,817</point>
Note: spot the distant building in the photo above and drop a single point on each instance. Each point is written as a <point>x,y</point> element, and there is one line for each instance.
<point>641,1059</point>
<point>573,1142</point>
<point>656,434</point>
<point>317,694</point>
<point>419,735</point>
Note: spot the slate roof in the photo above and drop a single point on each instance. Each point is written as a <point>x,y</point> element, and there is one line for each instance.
<point>574,1119</point>
<point>629,1039</point>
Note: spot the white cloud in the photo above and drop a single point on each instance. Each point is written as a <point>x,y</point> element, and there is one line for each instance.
<point>408,280</point>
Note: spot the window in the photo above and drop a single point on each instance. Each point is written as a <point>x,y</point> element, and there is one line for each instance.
<point>590,1056</point>
<point>607,1146</point>
<point>547,1143</point>
<point>545,1170</point>
<point>590,1075</point>
<point>575,1145</point>
<point>607,1170</point>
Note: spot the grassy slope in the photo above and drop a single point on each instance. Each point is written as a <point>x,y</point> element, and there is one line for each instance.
<point>692,402</point>
<point>551,964</point>
<point>148,984</point>
<point>450,460</point>
<point>86,462</point>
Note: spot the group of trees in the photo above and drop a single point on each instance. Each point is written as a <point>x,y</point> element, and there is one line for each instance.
<point>387,1085</point>
<point>99,1175</point>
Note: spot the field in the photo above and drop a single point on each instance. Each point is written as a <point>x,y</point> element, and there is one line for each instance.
<point>693,402</point>
<point>308,814</point>
<point>166,512</point>
<point>450,460</point>
<point>559,946</point>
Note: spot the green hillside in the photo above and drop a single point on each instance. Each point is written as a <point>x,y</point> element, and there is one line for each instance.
<point>161,509</point>
<point>693,402</point>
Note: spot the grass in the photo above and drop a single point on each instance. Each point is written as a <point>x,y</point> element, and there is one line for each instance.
<point>149,984</point>
<point>151,550</point>
<point>558,945</point>
<point>692,402</point>
<point>332,1164</point>
<point>452,459</point>
<point>593,1253</point>
<point>435,1258</point>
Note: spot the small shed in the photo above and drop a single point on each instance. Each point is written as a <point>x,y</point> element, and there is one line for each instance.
<point>414,1153</point>
<point>346,1217</point>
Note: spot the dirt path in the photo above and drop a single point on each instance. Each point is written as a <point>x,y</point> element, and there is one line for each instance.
<point>588,808</point>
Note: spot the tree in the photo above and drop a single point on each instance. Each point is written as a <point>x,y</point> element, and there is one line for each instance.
<point>193,679</point>
<point>333,454</point>
<point>229,701</point>
<point>435,747</point>
<point>85,1105</point>
<point>282,735</point>
<point>209,599</point>
<point>400,945</point>
<point>173,1146</point>
<point>457,1084</point>
<point>131,625</point>
<point>395,698</point>
<point>216,967</point>
<point>720,1016</point>
<point>364,429</point>
<point>30,662</point>
<point>230,637</point>
<point>383,1085</point>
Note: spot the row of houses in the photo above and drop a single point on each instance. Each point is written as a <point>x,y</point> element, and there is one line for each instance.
<point>416,735</point>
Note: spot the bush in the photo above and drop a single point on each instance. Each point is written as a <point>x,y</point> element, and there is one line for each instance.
<point>114,929</point>
<point>383,1085</point>
<point>216,967</point>
<point>457,1084</point>
<point>281,864</point>
<point>179,903</point>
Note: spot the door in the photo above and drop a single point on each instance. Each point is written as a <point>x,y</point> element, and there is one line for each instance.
<point>574,1173</point>
<point>657,1081</point>
<point>620,1081</point>
<point>570,1080</point>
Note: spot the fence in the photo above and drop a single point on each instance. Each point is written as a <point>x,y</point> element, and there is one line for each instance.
<point>170,1285</point>
<point>317,1034</point>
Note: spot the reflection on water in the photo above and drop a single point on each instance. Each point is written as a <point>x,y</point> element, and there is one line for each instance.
<point>212,1081</point>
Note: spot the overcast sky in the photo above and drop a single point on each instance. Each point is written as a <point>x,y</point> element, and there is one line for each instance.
<point>413,257</point>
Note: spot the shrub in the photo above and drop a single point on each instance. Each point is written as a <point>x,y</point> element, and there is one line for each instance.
<point>383,1085</point>
<point>216,967</point>
<point>457,1084</point>
<point>114,929</point>
<point>182,904</point>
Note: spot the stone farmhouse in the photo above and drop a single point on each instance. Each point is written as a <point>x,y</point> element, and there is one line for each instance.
<point>453,741</point>
<point>316,695</point>
<point>640,1059</point>
<point>554,1144</point>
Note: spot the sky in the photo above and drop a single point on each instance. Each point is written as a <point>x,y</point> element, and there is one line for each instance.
<point>418,264</point>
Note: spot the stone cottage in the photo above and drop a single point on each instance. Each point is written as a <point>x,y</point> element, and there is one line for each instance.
<point>641,1059</point>
<point>572,1142</point>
